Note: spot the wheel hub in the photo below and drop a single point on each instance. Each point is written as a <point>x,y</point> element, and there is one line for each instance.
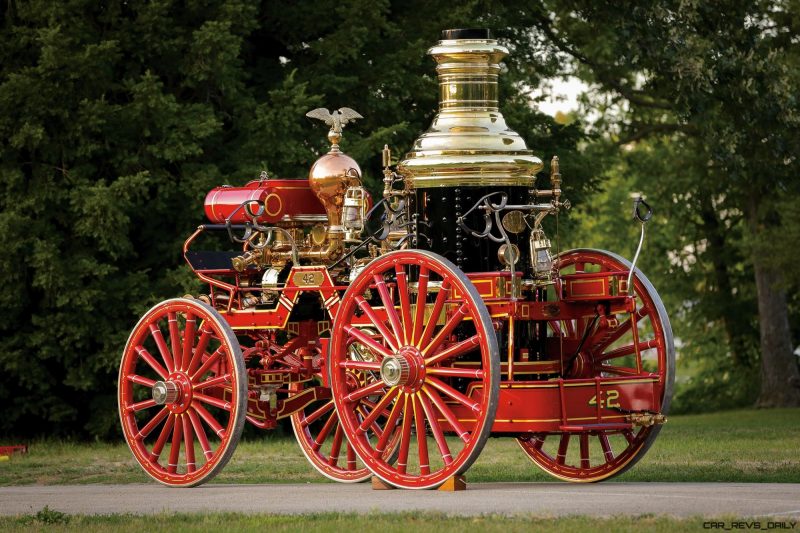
<point>395,370</point>
<point>175,392</point>
<point>165,392</point>
<point>405,368</point>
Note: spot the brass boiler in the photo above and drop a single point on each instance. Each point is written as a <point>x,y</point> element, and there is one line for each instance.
<point>468,151</point>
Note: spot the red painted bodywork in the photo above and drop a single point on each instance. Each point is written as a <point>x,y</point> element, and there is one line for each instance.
<point>281,197</point>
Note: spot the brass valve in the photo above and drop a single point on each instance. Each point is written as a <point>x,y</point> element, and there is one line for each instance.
<point>253,257</point>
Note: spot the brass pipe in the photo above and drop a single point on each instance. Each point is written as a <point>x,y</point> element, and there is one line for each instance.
<point>283,252</point>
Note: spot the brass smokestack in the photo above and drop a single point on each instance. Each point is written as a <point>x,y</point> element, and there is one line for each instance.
<point>469,143</point>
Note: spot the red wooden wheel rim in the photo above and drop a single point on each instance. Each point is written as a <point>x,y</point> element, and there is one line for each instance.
<point>584,466</point>
<point>419,352</point>
<point>186,344</point>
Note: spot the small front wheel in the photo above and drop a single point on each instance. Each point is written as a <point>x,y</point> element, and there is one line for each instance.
<point>182,386</point>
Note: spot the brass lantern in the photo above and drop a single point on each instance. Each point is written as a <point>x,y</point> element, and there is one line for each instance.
<point>541,257</point>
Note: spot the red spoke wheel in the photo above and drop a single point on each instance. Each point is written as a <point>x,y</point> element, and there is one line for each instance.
<point>182,392</point>
<point>432,374</point>
<point>597,455</point>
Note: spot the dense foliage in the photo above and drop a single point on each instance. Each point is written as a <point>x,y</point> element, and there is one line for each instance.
<point>117,117</point>
<point>701,97</point>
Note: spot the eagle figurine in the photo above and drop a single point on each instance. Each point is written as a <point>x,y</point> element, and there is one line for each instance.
<point>337,119</point>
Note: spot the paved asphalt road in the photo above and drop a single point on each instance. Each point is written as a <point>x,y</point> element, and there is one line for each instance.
<point>551,499</point>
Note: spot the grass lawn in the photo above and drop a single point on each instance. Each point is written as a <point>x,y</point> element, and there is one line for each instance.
<point>385,523</point>
<point>735,446</point>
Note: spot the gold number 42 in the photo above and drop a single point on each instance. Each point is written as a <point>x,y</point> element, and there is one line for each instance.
<point>612,399</point>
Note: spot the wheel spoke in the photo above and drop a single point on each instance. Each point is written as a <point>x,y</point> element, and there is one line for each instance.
<point>629,436</point>
<point>405,303</point>
<point>360,365</point>
<point>141,380</point>
<point>372,405</point>
<point>456,350</point>
<point>150,360</point>
<point>629,349</point>
<point>367,341</point>
<point>447,413</point>
<point>538,442</point>
<point>374,426</point>
<point>202,438</point>
<point>177,437</point>
<point>584,450</point>
<point>613,336</point>
<point>188,443</point>
<point>213,358</point>
<point>150,426</point>
<point>606,446</point>
<point>379,409</point>
<point>391,312</point>
<point>351,457</point>
<point>310,419</point>
<point>209,419</point>
<point>563,444</point>
<point>454,394</point>
<point>405,437</point>
<point>388,428</point>
<point>364,391</point>
<point>438,306</point>
<point>161,441</point>
<point>620,370</point>
<point>422,297</point>
<point>323,433</point>
<point>473,373</point>
<point>448,328</point>
<point>174,337</point>
<point>422,437</point>
<point>188,341</point>
<point>200,349</point>
<point>136,407</point>
<point>378,323</point>
<point>210,400</point>
<point>162,346</point>
<point>213,382</point>
<point>436,429</point>
<point>336,446</point>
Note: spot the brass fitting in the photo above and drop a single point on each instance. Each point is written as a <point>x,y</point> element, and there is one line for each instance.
<point>252,257</point>
<point>646,419</point>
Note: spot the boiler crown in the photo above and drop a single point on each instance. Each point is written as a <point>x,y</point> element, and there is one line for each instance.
<point>469,142</point>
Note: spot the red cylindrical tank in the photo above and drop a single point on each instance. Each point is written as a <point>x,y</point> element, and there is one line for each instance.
<point>280,198</point>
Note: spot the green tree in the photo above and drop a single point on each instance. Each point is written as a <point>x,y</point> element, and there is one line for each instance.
<point>716,81</point>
